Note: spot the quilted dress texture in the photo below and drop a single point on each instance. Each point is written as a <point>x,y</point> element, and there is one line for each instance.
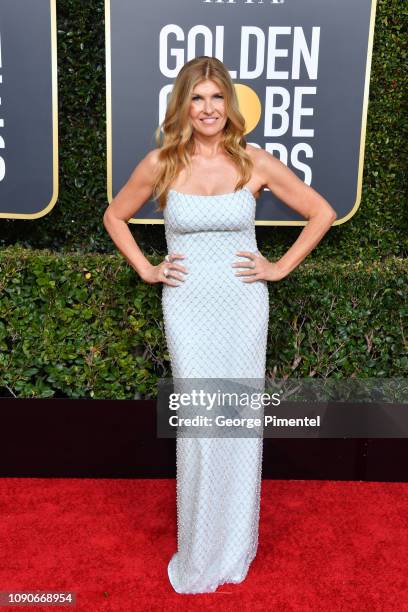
<point>216,328</point>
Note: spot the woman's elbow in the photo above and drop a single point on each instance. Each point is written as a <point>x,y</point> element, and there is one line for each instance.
<point>108,216</point>
<point>105,217</point>
<point>330,212</point>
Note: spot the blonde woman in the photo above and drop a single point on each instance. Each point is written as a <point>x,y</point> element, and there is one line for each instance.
<point>205,178</point>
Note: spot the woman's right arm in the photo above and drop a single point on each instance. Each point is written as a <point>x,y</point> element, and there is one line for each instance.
<point>124,205</point>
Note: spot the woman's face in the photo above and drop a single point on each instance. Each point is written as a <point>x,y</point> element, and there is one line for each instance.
<point>207,111</point>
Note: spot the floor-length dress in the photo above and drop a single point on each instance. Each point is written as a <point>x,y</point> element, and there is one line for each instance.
<point>216,327</point>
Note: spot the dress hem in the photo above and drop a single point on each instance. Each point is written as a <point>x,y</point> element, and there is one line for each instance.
<point>212,588</point>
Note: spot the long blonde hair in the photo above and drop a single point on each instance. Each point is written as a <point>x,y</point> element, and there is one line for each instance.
<point>178,141</point>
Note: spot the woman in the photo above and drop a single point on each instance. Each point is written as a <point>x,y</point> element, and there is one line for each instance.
<point>215,300</point>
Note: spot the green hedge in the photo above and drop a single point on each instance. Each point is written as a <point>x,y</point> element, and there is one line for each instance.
<point>88,326</point>
<point>75,319</point>
<point>377,230</point>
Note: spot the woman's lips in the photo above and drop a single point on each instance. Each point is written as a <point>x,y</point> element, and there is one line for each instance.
<point>209,120</point>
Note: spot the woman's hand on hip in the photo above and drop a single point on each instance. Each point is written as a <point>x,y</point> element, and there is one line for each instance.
<point>165,271</point>
<point>257,268</point>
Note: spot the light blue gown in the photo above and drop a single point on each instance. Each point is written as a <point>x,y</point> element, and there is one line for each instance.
<point>216,328</point>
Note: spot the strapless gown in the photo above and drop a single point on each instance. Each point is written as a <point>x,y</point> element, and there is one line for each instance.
<point>216,328</point>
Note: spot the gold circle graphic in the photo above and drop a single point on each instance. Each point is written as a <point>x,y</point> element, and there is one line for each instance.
<point>249,105</point>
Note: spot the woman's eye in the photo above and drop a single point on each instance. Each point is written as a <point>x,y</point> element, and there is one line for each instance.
<point>198,97</point>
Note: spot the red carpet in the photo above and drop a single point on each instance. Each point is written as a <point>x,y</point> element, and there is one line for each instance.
<point>337,545</point>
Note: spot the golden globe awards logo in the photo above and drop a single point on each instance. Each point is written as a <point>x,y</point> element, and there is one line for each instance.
<point>302,92</point>
<point>278,67</point>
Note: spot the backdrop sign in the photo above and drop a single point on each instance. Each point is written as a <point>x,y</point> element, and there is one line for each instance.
<point>28,108</point>
<point>301,69</point>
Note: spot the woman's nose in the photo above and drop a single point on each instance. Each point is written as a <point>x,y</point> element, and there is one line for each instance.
<point>208,106</point>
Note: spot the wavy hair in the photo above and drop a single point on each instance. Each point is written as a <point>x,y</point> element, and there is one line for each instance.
<point>177,147</point>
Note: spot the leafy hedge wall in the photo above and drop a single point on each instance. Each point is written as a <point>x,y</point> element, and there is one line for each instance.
<point>88,326</point>
<point>76,320</point>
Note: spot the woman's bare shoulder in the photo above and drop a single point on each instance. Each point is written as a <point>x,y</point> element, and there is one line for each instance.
<point>152,157</point>
<point>257,156</point>
<point>264,162</point>
<point>147,167</point>
<point>256,153</point>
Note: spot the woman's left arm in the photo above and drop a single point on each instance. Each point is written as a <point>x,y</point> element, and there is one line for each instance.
<point>303,199</point>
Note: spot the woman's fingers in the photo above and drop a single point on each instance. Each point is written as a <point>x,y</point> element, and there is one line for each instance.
<point>166,281</point>
<point>167,277</point>
<point>252,279</point>
<point>179,267</point>
<point>250,265</point>
<point>255,268</point>
<point>176,265</point>
<point>174,275</point>
<point>170,269</point>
